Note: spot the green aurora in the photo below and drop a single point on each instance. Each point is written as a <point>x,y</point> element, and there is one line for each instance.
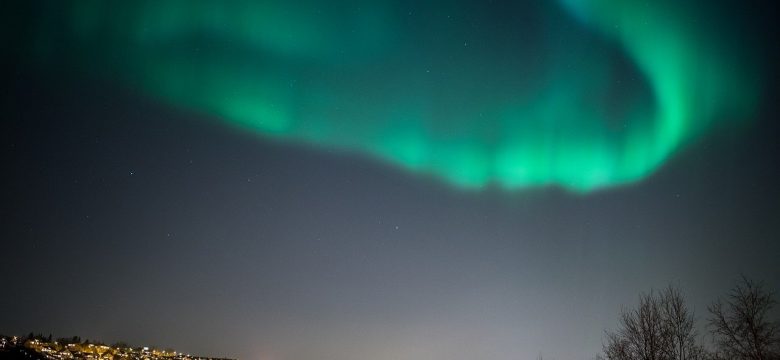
<point>582,94</point>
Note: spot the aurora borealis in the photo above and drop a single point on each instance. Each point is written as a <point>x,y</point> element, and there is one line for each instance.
<point>583,94</point>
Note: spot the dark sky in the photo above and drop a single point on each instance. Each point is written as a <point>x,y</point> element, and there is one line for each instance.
<point>130,219</point>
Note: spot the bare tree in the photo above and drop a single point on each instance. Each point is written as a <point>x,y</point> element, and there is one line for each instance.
<point>679,327</point>
<point>661,328</point>
<point>740,324</point>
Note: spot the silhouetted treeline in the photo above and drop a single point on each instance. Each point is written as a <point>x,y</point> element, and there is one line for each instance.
<point>662,327</point>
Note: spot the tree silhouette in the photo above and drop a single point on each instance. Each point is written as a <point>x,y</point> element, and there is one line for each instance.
<point>679,327</point>
<point>660,328</point>
<point>740,324</point>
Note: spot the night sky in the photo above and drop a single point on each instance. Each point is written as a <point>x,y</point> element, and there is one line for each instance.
<point>346,180</point>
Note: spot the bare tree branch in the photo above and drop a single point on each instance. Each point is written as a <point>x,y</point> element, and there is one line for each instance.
<point>740,324</point>
<point>660,328</point>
